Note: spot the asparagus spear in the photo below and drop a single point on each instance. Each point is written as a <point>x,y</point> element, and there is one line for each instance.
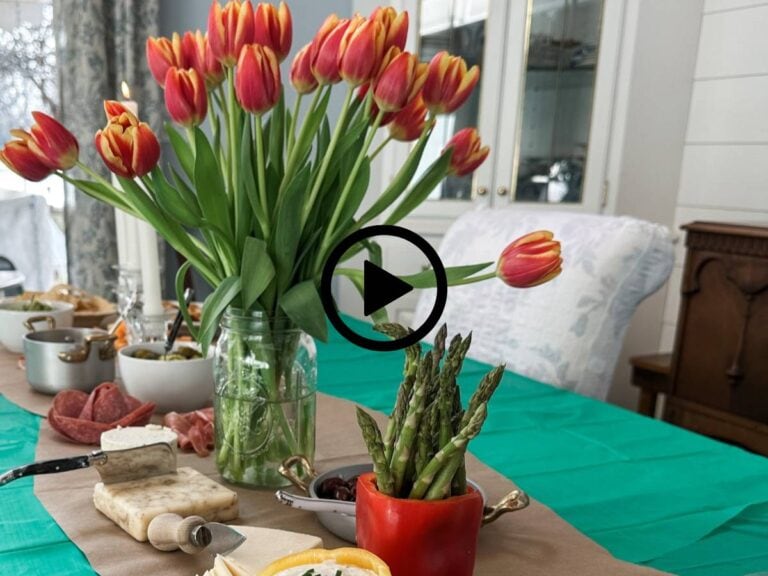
<point>372,437</point>
<point>484,391</point>
<point>404,447</point>
<point>442,485</point>
<point>412,354</point>
<point>456,446</point>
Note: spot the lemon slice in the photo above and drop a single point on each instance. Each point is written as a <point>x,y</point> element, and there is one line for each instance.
<point>348,561</point>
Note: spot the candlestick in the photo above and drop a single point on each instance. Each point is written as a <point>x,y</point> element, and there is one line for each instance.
<point>150,271</point>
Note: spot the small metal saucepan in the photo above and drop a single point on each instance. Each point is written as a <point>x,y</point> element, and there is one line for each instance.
<point>67,358</point>
<point>338,516</point>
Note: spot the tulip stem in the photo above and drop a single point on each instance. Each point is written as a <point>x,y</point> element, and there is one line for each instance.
<point>473,279</point>
<point>232,133</point>
<point>260,170</point>
<point>380,147</point>
<point>292,125</point>
<point>340,123</point>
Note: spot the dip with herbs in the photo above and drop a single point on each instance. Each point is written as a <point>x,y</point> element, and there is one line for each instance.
<point>327,568</point>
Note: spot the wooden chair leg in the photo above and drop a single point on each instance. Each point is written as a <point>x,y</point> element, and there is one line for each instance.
<point>647,403</point>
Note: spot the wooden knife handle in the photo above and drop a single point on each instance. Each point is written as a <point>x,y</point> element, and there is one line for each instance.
<point>168,532</point>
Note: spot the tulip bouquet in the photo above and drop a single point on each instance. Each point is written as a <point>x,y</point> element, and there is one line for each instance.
<point>258,200</point>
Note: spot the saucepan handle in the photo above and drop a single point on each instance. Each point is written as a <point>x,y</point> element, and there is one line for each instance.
<point>30,322</point>
<point>288,470</point>
<point>515,500</point>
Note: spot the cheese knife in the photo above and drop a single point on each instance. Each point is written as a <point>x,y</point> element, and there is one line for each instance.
<point>168,532</point>
<point>112,465</point>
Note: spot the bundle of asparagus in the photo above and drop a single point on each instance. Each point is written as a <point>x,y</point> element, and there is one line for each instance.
<point>421,454</point>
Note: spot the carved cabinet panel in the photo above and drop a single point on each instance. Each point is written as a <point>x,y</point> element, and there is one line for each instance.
<point>720,362</point>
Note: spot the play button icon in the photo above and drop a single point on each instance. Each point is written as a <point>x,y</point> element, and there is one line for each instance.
<point>380,288</point>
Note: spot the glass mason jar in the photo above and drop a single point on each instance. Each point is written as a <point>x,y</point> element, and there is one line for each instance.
<point>266,377</point>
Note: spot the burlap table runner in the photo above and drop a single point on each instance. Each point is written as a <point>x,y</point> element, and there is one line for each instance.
<point>531,542</point>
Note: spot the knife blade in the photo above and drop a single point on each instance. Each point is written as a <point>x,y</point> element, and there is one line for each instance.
<point>112,465</point>
<point>168,532</point>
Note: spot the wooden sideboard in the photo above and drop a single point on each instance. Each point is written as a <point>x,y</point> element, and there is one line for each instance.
<point>716,379</point>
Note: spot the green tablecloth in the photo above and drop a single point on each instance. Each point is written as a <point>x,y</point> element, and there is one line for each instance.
<point>649,492</point>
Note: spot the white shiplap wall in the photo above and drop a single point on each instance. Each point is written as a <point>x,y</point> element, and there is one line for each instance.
<point>724,174</point>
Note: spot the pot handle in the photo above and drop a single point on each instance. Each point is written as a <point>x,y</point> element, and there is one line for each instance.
<point>30,322</point>
<point>515,500</point>
<point>81,353</point>
<point>287,471</point>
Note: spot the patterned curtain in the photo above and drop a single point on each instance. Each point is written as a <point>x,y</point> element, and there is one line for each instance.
<point>100,43</point>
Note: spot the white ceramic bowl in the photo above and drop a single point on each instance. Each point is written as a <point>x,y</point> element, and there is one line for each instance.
<point>12,329</point>
<point>176,386</point>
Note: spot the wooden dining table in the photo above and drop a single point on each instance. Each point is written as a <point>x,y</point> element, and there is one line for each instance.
<point>613,485</point>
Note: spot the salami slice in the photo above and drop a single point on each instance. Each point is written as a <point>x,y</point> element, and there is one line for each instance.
<point>82,418</point>
<point>194,429</point>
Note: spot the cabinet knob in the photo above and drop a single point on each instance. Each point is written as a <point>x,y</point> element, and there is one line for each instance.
<point>502,191</point>
<point>481,190</point>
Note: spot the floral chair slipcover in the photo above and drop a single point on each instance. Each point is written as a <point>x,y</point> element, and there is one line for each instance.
<point>568,332</point>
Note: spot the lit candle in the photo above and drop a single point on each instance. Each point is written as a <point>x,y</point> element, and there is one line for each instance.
<point>141,243</point>
<point>125,224</point>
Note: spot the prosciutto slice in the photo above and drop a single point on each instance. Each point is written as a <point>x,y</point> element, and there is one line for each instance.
<point>83,417</point>
<point>194,429</point>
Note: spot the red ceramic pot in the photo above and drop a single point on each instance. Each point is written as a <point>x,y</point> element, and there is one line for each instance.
<point>418,537</point>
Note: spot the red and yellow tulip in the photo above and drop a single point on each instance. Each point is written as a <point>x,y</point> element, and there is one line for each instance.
<point>530,260</point>
<point>52,143</point>
<point>361,50</point>
<point>408,124</point>
<point>273,28</point>
<point>197,54</point>
<point>448,83</point>
<point>185,97</point>
<point>229,29</point>
<point>395,26</point>
<point>257,81</point>
<point>129,148</point>
<point>18,156</point>
<point>164,53</point>
<point>324,54</point>
<point>302,79</point>
<point>468,152</point>
<point>399,82</point>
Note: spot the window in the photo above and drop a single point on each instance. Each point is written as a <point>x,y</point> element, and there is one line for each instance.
<point>28,81</point>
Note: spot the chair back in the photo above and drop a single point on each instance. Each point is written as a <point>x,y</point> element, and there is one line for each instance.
<point>568,332</point>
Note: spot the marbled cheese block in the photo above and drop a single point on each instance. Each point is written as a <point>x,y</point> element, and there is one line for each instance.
<point>132,505</point>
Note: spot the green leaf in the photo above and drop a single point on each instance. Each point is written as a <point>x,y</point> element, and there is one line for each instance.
<point>287,229</point>
<point>422,189</point>
<point>277,135</point>
<point>399,183</point>
<point>303,306</point>
<point>184,189</point>
<point>256,271</point>
<point>248,173</point>
<point>357,279</point>
<point>182,149</point>
<point>312,123</point>
<point>211,192</point>
<point>103,193</point>
<point>183,305</point>
<point>213,308</point>
<point>169,199</point>
<point>426,279</point>
<point>357,192</point>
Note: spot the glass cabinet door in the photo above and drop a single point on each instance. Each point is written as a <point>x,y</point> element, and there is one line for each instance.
<point>458,27</point>
<point>563,43</point>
